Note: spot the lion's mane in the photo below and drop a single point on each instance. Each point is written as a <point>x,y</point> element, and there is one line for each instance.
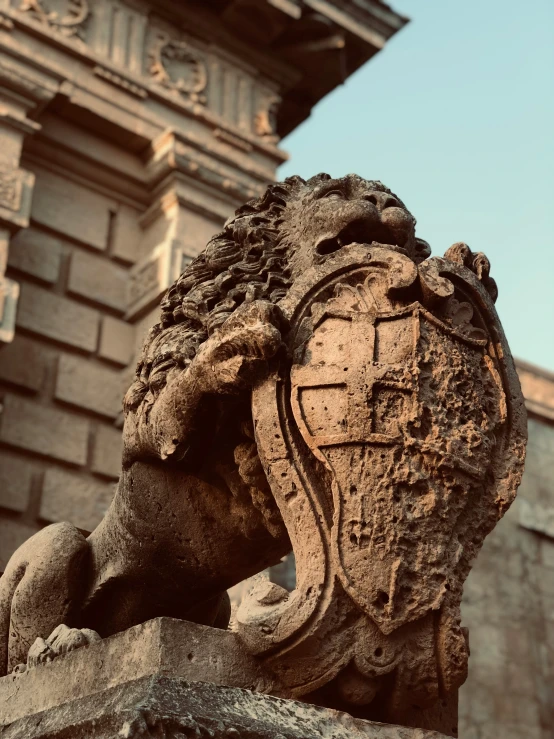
<point>248,260</point>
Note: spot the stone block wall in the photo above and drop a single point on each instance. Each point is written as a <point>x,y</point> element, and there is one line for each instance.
<point>61,378</point>
<point>129,133</point>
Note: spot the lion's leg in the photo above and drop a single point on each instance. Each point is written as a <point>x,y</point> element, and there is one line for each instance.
<point>41,588</point>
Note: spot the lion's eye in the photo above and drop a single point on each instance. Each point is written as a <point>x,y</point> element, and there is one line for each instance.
<point>334,194</point>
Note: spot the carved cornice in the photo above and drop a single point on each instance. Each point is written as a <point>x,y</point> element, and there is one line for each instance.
<point>215,67</point>
<point>181,83</point>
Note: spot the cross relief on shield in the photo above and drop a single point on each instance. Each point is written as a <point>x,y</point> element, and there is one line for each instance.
<point>396,389</point>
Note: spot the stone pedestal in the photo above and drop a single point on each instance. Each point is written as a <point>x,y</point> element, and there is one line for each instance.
<point>167,679</point>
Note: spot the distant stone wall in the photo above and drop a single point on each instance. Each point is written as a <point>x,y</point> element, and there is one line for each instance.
<point>509,597</point>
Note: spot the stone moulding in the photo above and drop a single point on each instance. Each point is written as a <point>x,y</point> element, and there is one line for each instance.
<point>6,24</point>
<point>119,81</point>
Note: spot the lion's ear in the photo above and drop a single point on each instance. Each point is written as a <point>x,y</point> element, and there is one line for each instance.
<point>422,249</point>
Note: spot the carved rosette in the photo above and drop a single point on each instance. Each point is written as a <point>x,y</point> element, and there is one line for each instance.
<point>175,65</point>
<point>393,443</point>
<point>68,17</point>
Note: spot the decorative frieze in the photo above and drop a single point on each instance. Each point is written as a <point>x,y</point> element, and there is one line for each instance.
<point>68,17</point>
<point>175,65</point>
<point>154,55</point>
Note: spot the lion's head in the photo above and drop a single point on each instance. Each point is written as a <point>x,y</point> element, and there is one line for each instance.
<point>268,242</point>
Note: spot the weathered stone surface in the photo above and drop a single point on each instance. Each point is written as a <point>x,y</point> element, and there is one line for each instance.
<point>23,363</point>
<point>174,707</point>
<point>29,426</point>
<point>70,497</point>
<point>117,339</point>
<point>385,438</point>
<point>98,279</point>
<point>16,474</point>
<point>105,172</point>
<point>88,385</point>
<point>36,253</point>
<point>159,674</point>
<point>57,317</point>
<point>160,646</point>
<point>106,455</point>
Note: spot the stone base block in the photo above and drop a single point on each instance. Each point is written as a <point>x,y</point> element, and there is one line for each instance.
<point>174,708</point>
<point>168,679</point>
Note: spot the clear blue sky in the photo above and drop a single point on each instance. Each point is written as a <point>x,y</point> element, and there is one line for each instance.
<point>456,116</point>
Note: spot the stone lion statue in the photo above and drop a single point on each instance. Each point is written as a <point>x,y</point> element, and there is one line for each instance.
<point>193,513</point>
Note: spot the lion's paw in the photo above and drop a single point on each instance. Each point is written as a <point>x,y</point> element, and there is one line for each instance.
<point>478,263</point>
<point>236,352</point>
<point>61,641</point>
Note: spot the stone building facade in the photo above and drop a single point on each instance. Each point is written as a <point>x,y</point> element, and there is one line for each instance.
<point>129,132</point>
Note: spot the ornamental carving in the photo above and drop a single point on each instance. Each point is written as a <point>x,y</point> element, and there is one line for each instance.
<point>66,16</point>
<point>391,439</point>
<point>10,190</point>
<point>316,382</point>
<point>265,119</point>
<point>176,66</point>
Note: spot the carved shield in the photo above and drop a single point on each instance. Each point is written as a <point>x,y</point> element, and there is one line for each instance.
<point>393,441</point>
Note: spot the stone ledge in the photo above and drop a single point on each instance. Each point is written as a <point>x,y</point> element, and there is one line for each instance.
<point>173,679</point>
